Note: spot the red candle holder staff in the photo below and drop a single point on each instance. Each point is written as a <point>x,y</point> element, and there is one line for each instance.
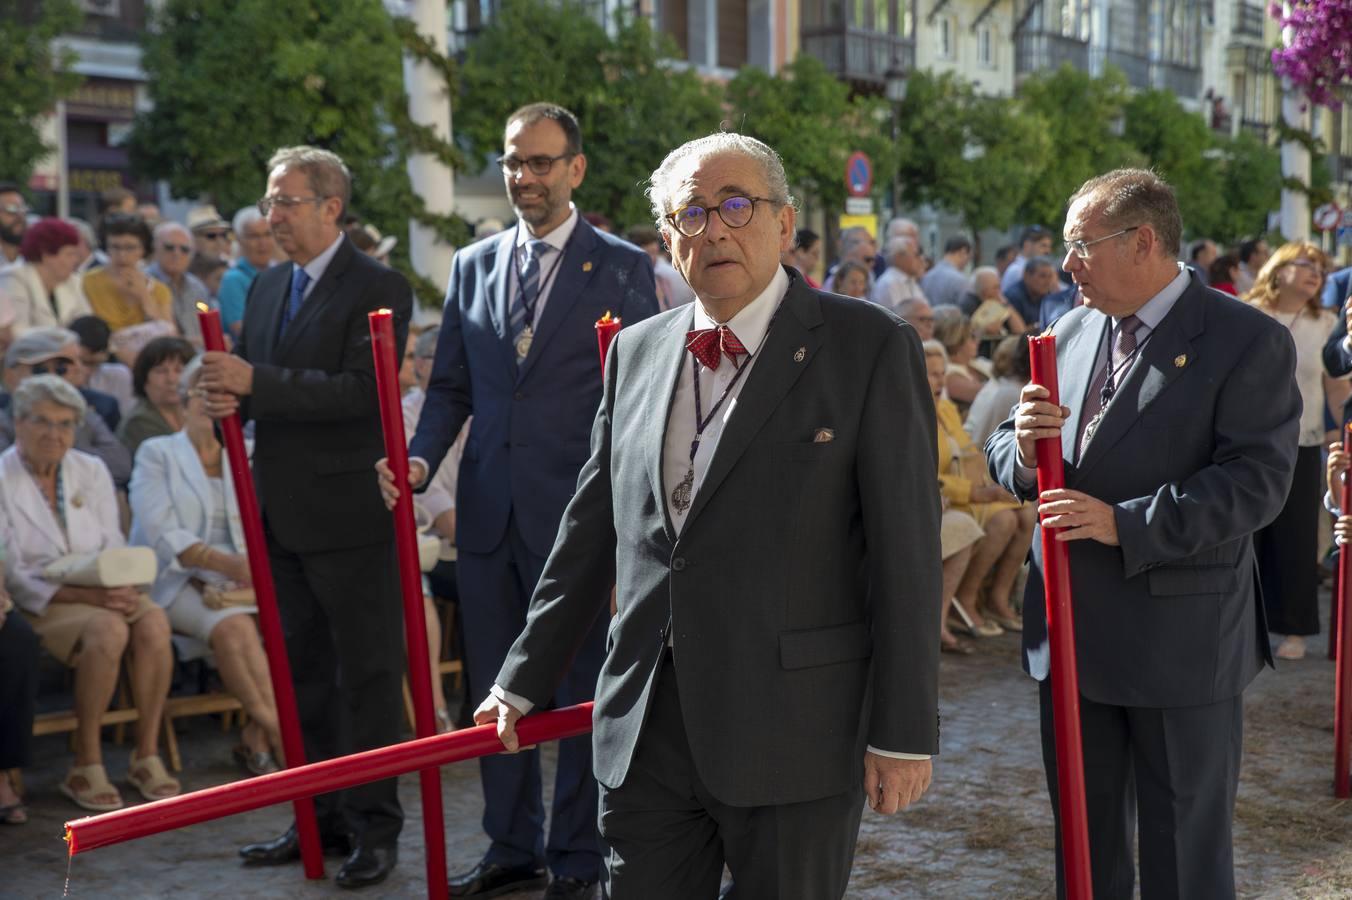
<point>269,619</point>
<point>410,581</point>
<point>1074,819</point>
<point>1342,624</point>
<point>93,832</point>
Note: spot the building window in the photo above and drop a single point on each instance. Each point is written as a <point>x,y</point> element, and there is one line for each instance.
<point>985,49</point>
<point>947,38</point>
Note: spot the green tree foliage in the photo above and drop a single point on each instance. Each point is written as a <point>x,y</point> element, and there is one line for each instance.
<point>1083,116</point>
<point>976,156</point>
<point>33,77</point>
<point>632,106</point>
<point>233,80</point>
<point>1186,153</point>
<point>809,117</point>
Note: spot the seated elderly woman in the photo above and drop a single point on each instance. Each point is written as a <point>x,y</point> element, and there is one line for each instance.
<point>154,381</point>
<point>183,507</point>
<point>45,292</point>
<point>966,371</point>
<point>966,488</point>
<point>56,501</point>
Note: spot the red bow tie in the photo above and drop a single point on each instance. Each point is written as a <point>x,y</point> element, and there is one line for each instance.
<point>709,345</point>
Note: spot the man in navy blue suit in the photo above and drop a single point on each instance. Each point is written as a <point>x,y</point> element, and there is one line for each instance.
<point>518,352</point>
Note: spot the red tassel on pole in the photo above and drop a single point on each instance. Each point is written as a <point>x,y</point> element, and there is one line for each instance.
<point>410,580</point>
<point>606,329</point>
<point>93,832</point>
<point>1342,627</point>
<point>269,619</point>
<point>1074,819</point>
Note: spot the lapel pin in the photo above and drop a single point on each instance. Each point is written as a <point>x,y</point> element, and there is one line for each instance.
<point>586,266</point>
<point>1180,360</point>
<point>800,354</point>
<point>823,436</point>
<point>77,501</point>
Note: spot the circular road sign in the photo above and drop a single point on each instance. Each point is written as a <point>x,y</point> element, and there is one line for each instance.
<point>859,174</point>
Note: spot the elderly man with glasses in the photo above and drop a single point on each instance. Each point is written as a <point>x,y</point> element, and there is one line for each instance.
<point>172,255</point>
<point>761,488</point>
<point>517,350</point>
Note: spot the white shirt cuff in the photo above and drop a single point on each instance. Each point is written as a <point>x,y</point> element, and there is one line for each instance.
<point>513,700</point>
<point>1024,477</point>
<point>1331,503</point>
<point>1347,344</point>
<point>894,754</point>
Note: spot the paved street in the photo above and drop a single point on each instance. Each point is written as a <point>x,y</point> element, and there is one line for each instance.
<point>983,831</point>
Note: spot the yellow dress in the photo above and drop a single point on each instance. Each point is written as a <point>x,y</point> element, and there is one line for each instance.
<point>962,466</point>
<point>110,306</point>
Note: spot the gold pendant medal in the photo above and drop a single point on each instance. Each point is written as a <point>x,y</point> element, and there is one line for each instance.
<point>680,495</point>
<point>523,342</point>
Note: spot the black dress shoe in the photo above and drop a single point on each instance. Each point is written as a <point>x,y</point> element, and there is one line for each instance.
<point>490,880</point>
<point>286,848</point>
<point>367,866</point>
<point>570,889</point>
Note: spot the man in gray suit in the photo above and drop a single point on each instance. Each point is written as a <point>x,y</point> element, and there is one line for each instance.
<point>1179,442</point>
<point>761,490</point>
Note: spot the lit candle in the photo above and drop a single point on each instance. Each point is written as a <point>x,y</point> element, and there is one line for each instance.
<point>606,329</point>
<point>269,619</point>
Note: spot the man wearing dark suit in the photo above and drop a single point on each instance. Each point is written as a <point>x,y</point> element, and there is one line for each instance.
<point>766,504</point>
<point>517,350</point>
<point>1193,452</point>
<point>305,375</point>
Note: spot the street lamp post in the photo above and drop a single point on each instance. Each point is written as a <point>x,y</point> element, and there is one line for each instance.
<point>894,84</point>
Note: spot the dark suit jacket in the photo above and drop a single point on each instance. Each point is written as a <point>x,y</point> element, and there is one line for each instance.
<point>317,426</point>
<point>1029,309</point>
<point>531,421</point>
<point>1337,360</point>
<point>801,597</point>
<point>1195,453</point>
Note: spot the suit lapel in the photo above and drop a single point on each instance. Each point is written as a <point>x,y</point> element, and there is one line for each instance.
<point>775,373</point>
<point>29,501</point>
<point>325,288</point>
<point>1167,353</point>
<point>1075,358</point>
<point>499,283</point>
<point>671,362</point>
<point>191,465</point>
<point>575,270</point>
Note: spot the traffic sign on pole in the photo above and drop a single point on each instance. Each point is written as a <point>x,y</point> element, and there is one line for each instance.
<point>1327,217</point>
<point>858,174</point>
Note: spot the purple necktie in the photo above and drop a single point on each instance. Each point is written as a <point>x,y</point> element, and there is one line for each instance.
<point>1123,349</point>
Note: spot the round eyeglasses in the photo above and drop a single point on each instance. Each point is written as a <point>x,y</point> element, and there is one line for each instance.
<point>736,212</point>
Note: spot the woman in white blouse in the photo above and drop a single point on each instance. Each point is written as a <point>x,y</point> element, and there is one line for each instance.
<point>1288,289</point>
<point>56,501</point>
<point>183,507</point>
<point>45,291</point>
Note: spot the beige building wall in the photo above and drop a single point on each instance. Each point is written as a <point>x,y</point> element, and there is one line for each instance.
<point>973,39</point>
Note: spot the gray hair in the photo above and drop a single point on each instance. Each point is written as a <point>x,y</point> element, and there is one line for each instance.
<point>853,237</point>
<point>935,348</point>
<point>86,231</point>
<point>425,347</point>
<point>39,342</point>
<point>896,245</point>
<point>911,304</point>
<point>902,227</point>
<point>166,227</point>
<point>327,173</point>
<point>974,283</point>
<point>189,376</point>
<point>951,327</point>
<point>1128,198</point>
<point>662,185</point>
<point>37,389</point>
<point>1038,263</point>
<point>245,217</point>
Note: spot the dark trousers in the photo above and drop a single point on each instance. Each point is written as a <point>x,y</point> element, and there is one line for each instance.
<point>1287,553</point>
<point>18,691</point>
<point>345,642</point>
<point>668,837</point>
<point>495,592</point>
<point>1177,769</point>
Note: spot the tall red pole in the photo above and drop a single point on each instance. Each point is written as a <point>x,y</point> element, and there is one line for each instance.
<point>1074,819</point>
<point>1342,688</point>
<point>269,619</point>
<point>410,582</point>
<point>93,832</point>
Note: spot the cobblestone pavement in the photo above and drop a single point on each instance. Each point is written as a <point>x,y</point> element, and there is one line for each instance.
<point>983,831</point>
